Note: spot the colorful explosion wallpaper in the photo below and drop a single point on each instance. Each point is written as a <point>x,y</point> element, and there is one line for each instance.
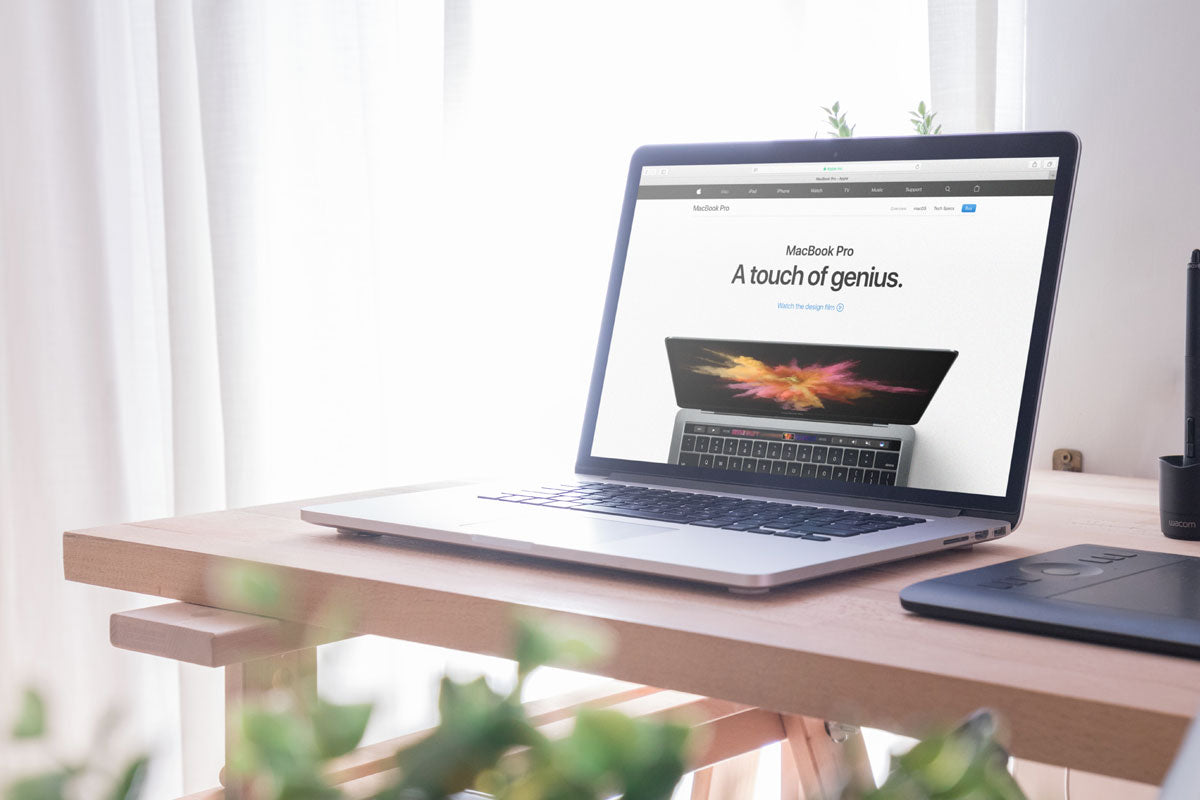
<point>795,387</point>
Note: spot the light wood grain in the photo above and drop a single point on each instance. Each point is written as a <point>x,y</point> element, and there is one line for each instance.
<point>813,765</point>
<point>210,637</point>
<point>837,648</point>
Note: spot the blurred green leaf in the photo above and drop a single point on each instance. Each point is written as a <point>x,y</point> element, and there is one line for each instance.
<point>541,642</point>
<point>278,744</point>
<point>31,717</point>
<point>339,728</point>
<point>967,763</point>
<point>50,786</point>
<point>477,727</point>
<point>280,751</point>
<point>250,586</point>
<point>129,785</point>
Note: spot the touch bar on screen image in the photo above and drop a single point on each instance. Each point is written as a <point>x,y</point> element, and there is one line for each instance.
<point>800,191</point>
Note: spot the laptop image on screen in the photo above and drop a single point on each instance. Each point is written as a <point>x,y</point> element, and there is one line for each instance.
<point>830,412</point>
<point>855,332</point>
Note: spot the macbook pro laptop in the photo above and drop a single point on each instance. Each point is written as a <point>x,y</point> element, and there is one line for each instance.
<point>882,305</point>
<point>814,411</point>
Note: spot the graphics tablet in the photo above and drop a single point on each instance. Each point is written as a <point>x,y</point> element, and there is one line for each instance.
<point>1129,598</point>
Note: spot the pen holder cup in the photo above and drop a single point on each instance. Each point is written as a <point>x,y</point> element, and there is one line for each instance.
<point>1179,498</point>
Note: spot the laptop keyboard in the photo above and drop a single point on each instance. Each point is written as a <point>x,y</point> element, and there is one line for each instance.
<point>706,510</point>
<point>766,451</point>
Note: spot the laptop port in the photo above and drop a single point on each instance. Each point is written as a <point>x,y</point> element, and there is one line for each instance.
<point>957,540</point>
<point>980,535</point>
<point>998,532</point>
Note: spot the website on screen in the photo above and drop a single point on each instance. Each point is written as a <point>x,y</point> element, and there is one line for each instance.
<point>855,322</point>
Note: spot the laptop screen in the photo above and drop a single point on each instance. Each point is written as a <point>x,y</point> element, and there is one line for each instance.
<point>886,302</point>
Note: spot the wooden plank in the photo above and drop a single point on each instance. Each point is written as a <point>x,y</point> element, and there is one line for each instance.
<point>210,637</point>
<point>732,779</point>
<point>863,659</point>
<point>816,766</point>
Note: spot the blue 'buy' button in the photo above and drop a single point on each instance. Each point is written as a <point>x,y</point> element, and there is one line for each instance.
<point>968,208</point>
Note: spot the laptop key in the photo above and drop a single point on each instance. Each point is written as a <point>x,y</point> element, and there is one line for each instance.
<point>740,526</point>
<point>660,516</point>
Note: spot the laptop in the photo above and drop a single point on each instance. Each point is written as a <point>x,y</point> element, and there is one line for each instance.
<point>862,322</point>
<point>833,412</point>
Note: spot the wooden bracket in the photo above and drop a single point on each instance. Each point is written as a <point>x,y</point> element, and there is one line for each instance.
<point>210,637</point>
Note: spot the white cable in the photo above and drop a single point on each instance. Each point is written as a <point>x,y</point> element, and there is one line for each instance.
<point>1067,783</point>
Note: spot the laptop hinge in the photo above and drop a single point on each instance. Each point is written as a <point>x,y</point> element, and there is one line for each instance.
<point>785,494</point>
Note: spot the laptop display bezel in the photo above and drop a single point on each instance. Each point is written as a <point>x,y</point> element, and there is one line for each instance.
<point>1062,146</point>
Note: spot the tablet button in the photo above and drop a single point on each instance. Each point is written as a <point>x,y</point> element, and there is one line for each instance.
<point>1060,569</point>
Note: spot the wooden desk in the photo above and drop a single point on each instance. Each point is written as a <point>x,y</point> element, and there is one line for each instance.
<point>839,648</point>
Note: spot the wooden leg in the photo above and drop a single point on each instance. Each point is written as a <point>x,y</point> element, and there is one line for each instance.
<point>246,683</point>
<point>815,766</point>
<point>731,779</point>
<point>702,783</point>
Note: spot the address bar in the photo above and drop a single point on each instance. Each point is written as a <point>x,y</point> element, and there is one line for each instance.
<point>834,168</point>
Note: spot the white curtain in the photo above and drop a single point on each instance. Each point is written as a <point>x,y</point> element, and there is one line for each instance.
<point>977,64</point>
<point>203,211</point>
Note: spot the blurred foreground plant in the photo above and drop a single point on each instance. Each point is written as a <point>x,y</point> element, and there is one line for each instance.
<point>483,741</point>
<point>67,779</point>
<point>967,763</point>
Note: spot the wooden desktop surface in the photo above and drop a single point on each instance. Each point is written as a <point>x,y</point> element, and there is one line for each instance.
<point>838,648</point>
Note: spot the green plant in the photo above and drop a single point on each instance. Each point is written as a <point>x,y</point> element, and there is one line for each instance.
<point>967,763</point>
<point>922,121</point>
<point>63,780</point>
<point>837,121</point>
<point>484,741</point>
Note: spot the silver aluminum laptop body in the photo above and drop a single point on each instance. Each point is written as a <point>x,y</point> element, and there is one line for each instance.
<point>744,561</point>
<point>736,560</point>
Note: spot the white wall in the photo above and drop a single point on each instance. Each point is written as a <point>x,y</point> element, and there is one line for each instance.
<point>1124,77</point>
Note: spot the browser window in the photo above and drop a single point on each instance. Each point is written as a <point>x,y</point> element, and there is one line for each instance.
<point>863,322</point>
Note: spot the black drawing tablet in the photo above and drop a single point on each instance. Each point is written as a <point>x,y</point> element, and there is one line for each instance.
<point>1128,598</point>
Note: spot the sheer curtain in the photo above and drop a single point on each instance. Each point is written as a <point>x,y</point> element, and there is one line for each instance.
<point>254,250</point>
<point>206,212</point>
<point>977,64</point>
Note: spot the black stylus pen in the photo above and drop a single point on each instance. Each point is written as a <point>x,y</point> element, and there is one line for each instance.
<point>1191,375</point>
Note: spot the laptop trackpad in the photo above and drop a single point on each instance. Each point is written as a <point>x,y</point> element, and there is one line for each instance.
<point>580,533</point>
